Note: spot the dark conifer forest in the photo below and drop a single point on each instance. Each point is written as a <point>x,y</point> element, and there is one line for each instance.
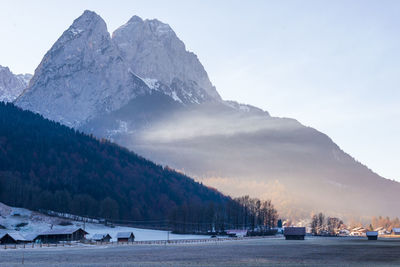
<point>47,166</point>
<point>44,165</point>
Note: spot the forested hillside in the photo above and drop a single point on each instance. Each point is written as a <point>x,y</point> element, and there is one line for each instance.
<point>44,165</point>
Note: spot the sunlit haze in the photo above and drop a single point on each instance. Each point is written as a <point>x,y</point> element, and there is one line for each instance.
<point>332,65</point>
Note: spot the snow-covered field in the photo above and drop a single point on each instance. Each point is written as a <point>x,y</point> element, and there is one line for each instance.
<point>29,223</point>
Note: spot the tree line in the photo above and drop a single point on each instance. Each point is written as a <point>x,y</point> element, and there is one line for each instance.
<point>320,225</point>
<point>47,166</point>
<point>241,213</point>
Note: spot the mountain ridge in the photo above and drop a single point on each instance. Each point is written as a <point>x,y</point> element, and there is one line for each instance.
<point>46,165</point>
<point>12,85</point>
<point>236,148</point>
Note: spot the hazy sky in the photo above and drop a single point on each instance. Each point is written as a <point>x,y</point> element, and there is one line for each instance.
<point>333,65</point>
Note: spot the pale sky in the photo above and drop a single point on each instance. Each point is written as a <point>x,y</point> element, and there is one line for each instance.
<point>332,65</point>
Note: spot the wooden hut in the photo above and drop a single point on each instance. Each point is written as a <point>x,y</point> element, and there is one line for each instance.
<point>294,233</point>
<point>125,237</point>
<point>372,235</point>
<point>57,235</point>
<point>12,238</point>
<point>101,238</point>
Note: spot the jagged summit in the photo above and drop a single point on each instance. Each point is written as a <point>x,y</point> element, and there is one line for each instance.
<point>135,19</point>
<point>83,70</point>
<point>96,74</point>
<point>153,51</point>
<point>155,26</point>
<point>144,90</point>
<point>89,24</point>
<point>11,85</point>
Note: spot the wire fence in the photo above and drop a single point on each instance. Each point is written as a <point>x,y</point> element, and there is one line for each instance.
<point>115,243</point>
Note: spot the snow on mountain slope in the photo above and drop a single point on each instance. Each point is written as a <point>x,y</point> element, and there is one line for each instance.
<point>143,90</point>
<point>81,76</point>
<point>11,85</point>
<point>31,223</point>
<point>86,73</point>
<point>152,50</point>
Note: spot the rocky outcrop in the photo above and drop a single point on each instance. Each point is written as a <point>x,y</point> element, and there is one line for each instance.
<point>144,90</point>
<point>153,51</point>
<point>86,73</point>
<point>81,76</point>
<point>11,85</point>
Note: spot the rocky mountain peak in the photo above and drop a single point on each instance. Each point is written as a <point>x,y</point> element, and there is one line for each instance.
<point>90,26</point>
<point>83,70</point>
<point>11,85</point>
<point>153,51</point>
<point>135,19</point>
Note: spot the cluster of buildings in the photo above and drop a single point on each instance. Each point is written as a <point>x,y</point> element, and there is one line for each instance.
<point>361,231</point>
<point>62,235</point>
<point>298,233</point>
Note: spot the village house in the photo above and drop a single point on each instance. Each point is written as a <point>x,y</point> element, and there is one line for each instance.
<point>358,231</point>
<point>58,235</point>
<point>344,232</point>
<point>12,238</point>
<point>294,233</point>
<point>101,238</point>
<point>125,237</point>
<point>396,231</point>
<point>382,231</point>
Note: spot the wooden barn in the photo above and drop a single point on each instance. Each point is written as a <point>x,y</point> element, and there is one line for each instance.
<point>125,237</point>
<point>101,238</point>
<point>57,235</point>
<point>294,233</point>
<point>372,235</point>
<point>12,238</point>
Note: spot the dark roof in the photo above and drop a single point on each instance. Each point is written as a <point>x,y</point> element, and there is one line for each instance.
<point>100,236</point>
<point>31,236</point>
<point>125,235</point>
<point>372,233</point>
<point>15,236</point>
<point>62,231</point>
<point>294,231</point>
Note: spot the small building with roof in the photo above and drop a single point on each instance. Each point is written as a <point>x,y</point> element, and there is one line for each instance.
<point>294,233</point>
<point>372,235</point>
<point>12,238</point>
<point>125,237</point>
<point>101,237</point>
<point>57,235</point>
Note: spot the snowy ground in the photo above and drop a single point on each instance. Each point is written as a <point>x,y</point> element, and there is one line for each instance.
<point>36,223</point>
<point>249,252</point>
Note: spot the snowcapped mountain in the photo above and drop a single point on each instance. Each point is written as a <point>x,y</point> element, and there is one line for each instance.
<point>87,73</point>
<point>81,76</point>
<point>11,85</point>
<point>143,90</point>
<point>153,51</point>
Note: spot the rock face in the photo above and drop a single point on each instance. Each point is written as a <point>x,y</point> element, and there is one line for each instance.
<point>81,76</point>
<point>153,51</point>
<point>143,90</point>
<point>86,73</point>
<point>11,86</point>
